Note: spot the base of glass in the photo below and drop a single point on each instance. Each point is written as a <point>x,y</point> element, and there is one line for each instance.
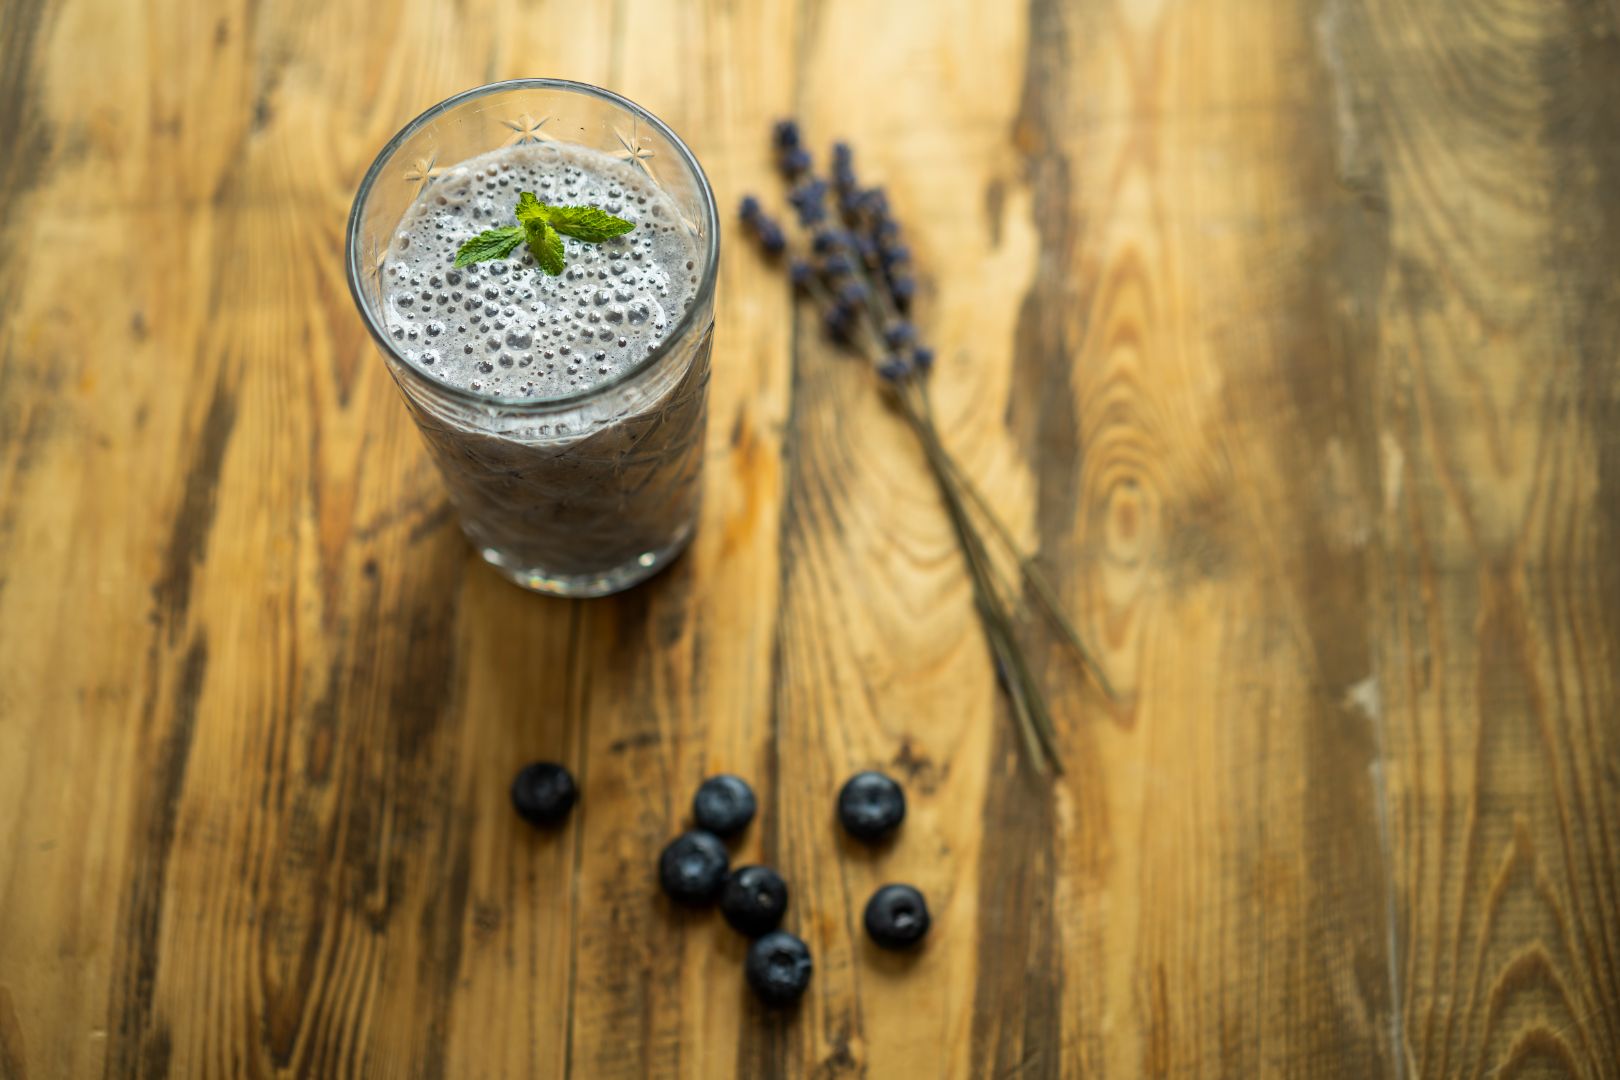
<point>585,586</point>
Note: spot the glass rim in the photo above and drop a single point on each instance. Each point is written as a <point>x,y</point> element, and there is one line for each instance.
<point>700,299</point>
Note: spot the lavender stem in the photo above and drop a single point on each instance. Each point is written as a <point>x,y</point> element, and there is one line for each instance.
<point>1028,701</point>
<point>1045,592</point>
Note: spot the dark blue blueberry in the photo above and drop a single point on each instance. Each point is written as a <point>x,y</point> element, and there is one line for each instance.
<point>896,254</point>
<point>753,900</point>
<point>778,968</point>
<point>923,358</point>
<point>724,805</point>
<point>785,134</point>
<point>894,369</point>
<point>897,916</point>
<point>897,335</point>
<point>801,272</point>
<point>888,232</point>
<point>692,868</point>
<point>749,209</point>
<point>543,793</point>
<point>904,290</point>
<point>871,805</point>
<point>867,249</point>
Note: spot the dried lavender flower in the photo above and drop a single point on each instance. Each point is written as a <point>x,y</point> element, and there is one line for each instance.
<point>897,335</point>
<point>785,135</point>
<point>801,273</point>
<point>809,201</point>
<point>903,290</point>
<point>767,232</point>
<point>829,240</point>
<point>893,368</point>
<point>837,264</point>
<point>838,268</point>
<point>853,292</point>
<point>794,162</point>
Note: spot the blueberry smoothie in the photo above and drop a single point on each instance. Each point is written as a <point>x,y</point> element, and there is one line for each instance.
<point>588,454</point>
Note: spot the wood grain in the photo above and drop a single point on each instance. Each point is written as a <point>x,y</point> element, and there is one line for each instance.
<point>1495,613</point>
<point>1285,331</point>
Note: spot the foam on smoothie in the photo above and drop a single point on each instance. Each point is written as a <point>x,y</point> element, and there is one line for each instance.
<point>505,327</point>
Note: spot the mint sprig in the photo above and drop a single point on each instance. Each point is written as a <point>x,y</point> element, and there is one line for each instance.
<point>587,223</point>
<point>542,227</point>
<point>489,244</point>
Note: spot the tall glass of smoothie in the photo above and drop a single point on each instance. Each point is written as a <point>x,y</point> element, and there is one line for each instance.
<point>566,411</point>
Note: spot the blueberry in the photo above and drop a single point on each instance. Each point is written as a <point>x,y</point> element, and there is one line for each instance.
<point>778,968</point>
<point>693,867</point>
<point>753,900</point>
<point>724,805</point>
<point>871,805</point>
<point>544,792</point>
<point>897,916</point>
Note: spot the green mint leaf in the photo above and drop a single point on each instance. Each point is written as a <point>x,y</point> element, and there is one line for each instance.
<point>587,223</point>
<point>489,244</point>
<point>543,227</point>
<point>547,247</point>
<point>530,208</point>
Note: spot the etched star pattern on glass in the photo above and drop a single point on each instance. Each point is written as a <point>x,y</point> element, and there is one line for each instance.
<point>526,129</point>
<point>633,151</point>
<point>423,171</point>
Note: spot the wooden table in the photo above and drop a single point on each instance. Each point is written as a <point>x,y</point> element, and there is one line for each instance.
<point>1285,329</point>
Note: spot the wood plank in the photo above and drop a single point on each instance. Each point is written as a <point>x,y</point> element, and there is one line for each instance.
<point>1216,874</point>
<point>881,662</point>
<point>1479,129</point>
<point>680,671</point>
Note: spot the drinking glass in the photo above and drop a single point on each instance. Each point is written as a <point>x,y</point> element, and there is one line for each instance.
<point>577,494</point>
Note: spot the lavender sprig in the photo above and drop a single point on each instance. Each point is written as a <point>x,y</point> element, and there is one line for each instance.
<point>852,263</point>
